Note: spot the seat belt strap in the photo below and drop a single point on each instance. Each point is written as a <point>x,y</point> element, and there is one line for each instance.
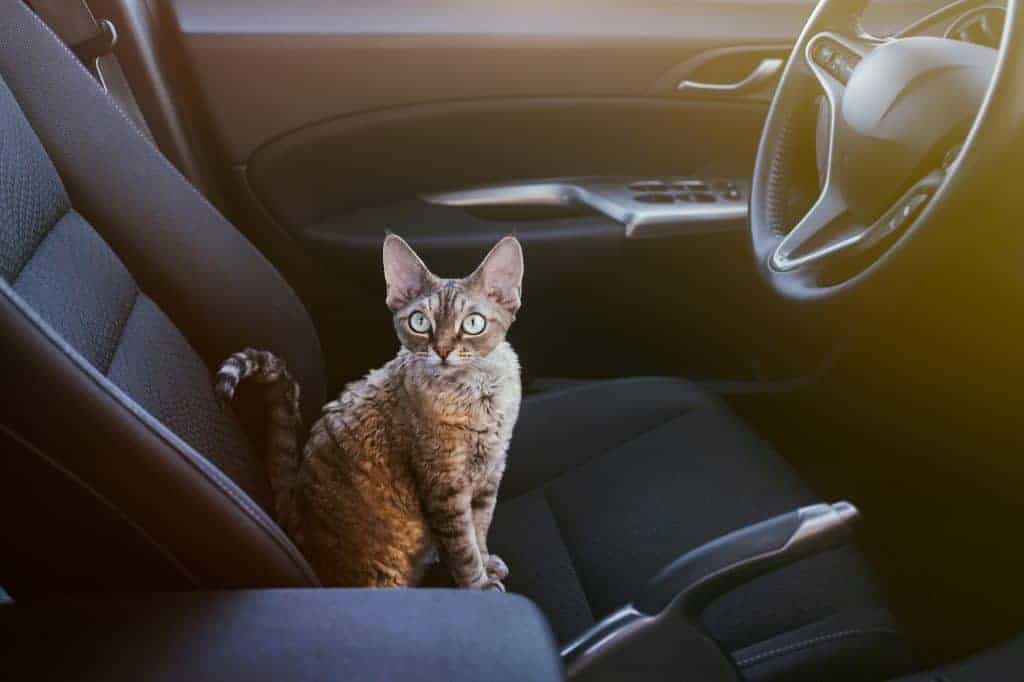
<point>93,43</point>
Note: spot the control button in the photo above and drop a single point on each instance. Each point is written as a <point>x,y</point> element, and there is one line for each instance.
<point>903,213</point>
<point>648,186</point>
<point>838,62</point>
<point>843,65</point>
<point>733,193</point>
<point>846,70</point>
<point>824,54</point>
<point>654,198</point>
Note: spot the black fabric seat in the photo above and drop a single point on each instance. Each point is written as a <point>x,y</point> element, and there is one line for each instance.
<point>608,482</point>
<point>121,289</point>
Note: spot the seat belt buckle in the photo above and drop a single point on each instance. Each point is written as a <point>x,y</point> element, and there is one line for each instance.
<point>100,44</point>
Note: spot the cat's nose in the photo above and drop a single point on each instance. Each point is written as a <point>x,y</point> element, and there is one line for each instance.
<point>443,353</point>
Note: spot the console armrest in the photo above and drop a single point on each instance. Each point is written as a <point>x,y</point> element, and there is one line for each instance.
<point>274,635</point>
<point>696,578</point>
<point>659,633</point>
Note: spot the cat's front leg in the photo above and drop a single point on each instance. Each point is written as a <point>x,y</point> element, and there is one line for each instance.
<point>483,513</point>
<point>450,517</point>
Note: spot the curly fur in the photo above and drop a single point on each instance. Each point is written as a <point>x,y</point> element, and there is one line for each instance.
<point>406,463</point>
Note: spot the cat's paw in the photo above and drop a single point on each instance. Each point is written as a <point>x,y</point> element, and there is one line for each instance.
<point>496,568</point>
<point>486,582</point>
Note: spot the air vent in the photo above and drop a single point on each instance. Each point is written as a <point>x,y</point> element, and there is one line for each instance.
<point>982,26</point>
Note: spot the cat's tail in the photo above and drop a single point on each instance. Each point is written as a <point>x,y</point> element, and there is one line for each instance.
<point>284,429</point>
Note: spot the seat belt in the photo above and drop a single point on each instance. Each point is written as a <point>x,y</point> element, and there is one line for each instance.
<point>93,43</point>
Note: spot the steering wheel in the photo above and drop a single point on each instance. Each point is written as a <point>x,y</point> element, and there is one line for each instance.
<point>907,131</point>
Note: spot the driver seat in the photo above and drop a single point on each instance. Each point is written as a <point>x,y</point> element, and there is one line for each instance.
<point>121,288</point>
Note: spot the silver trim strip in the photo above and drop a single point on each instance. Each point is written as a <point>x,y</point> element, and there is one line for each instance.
<point>611,197</point>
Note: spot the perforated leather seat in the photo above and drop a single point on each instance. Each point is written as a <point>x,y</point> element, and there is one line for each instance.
<point>122,288</point>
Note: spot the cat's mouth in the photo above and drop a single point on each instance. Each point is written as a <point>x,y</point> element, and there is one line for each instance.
<point>449,363</point>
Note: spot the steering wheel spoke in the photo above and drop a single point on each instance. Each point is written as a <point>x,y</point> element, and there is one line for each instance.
<point>829,230</point>
<point>812,238</point>
<point>825,230</point>
<point>902,211</point>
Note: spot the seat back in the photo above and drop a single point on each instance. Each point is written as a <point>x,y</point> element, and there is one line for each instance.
<point>121,288</point>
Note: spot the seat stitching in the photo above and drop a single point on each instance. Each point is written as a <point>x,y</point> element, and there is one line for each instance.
<point>162,159</point>
<point>197,461</point>
<point>117,107</point>
<point>568,551</point>
<point>135,298</point>
<point>155,150</point>
<point>804,644</point>
<point>214,475</point>
<point>31,253</point>
<point>123,329</point>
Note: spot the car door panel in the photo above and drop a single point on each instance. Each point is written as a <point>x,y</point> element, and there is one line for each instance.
<point>268,68</point>
<point>368,159</point>
<point>322,109</point>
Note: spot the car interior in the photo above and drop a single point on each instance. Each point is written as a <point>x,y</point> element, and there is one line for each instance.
<point>770,332</point>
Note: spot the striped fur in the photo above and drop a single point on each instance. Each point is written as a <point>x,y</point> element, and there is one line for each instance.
<point>405,465</point>
<point>284,420</point>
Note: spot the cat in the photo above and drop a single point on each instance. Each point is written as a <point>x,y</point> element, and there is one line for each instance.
<point>405,465</point>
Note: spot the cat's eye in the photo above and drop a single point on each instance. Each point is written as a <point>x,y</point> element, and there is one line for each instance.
<point>474,324</point>
<point>419,323</point>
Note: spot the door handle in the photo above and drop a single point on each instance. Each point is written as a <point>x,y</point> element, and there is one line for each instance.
<point>763,74</point>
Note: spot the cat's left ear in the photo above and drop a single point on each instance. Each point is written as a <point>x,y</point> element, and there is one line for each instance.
<point>500,275</point>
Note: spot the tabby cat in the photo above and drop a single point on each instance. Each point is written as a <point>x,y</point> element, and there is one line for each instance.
<point>408,460</point>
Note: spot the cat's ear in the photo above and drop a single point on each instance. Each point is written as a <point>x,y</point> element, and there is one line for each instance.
<point>404,272</point>
<point>500,275</point>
